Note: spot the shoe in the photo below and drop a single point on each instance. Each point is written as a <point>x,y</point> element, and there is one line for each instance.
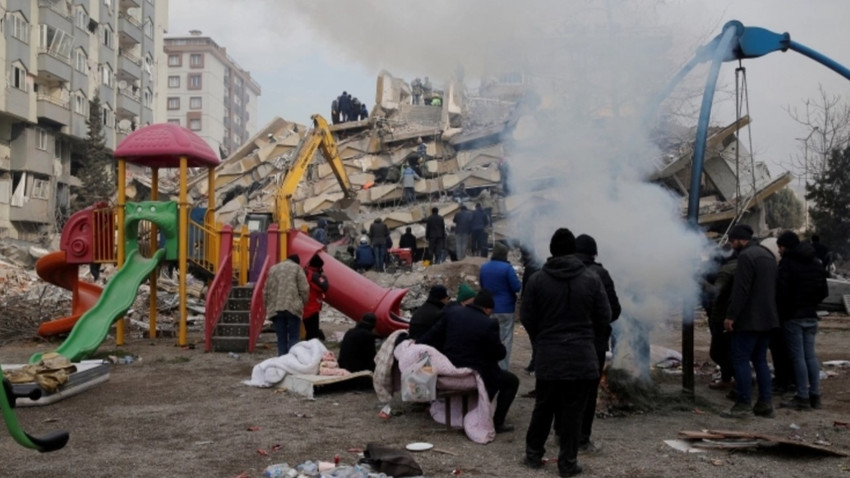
<point>533,463</point>
<point>589,448</point>
<point>739,410</point>
<point>763,409</point>
<point>814,401</point>
<point>504,428</point>
<point>571,471</point>
<point>719,385</point>
<point>797,403</point>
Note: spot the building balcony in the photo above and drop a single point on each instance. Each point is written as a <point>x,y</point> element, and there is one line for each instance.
<point>129,29</point>
<point>55,14</point>
<point>125,4</point>
<point>53,110</point>
<point>129,67</point>
<point>53,66</point>
<point>128,103</point>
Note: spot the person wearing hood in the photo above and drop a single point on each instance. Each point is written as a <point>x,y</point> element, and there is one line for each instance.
<point>750,318</point>
<point>364,256</point>
<point>320,234</point>
<point>564,308</point>
<point>800,286</point>
<point>285,293</point>
<point>378,234</point>
<point>429,313</point>
<point>319,285</point>
<point>586,252</point>
<point>499,277</point>
<point>357,349</point>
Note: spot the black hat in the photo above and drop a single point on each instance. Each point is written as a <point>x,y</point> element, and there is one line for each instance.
<point>563,243</point>
<point>586,245</point>
<point>369,320</point>
<point>484,299</point>
<point>294,258</point>
<point>741,231</point>
<point>788,240</point>
<point>316,261</point>
<point>438,292</point>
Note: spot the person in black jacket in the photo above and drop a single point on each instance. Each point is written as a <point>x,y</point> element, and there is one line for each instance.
<point>357,349</point>
<point>564,308</point>
<point>586,252</point>
<point>435,232</point>
<point>750,318</point>
<point>530,265</point>
<point>468,337</point>
<point>800,287</point>
<point>429,313</point>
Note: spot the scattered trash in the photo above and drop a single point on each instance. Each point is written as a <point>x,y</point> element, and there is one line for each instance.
<point>253,429</point>
<point>683,446</point>
<point>841,425</point>
<point>794,426</point>
<point>837,363</point>
<point>419,446</point>
<point>203,442</point>
<point>386,412</point>
<point>728,439</point>
<point>233,355</point>
<point>262,452</point>
<point>276,447</point>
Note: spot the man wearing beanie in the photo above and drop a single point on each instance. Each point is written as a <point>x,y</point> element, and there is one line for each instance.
<point>284,295</point>
<point>750,318</point>
<point>564,308</point>
<point>499,277</point>
<point>800,287</point>
<point>586,252</point>
<point>427,315</point>
<point>468,337</point>
<point>465,294</point>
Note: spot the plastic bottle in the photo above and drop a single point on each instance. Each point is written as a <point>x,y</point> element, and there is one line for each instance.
<point>308,468</point>
<point>279,470</point>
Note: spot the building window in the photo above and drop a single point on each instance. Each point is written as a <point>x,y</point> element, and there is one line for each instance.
<point>108,3</point>
<point>54,41</point>
<point>40,189</point>
<point>195,82</point>
<point>174,121</point>
<point>19,27</point>
<point>81,104</point>
<point>149,28</point>
<point>195,103</point>
<point>174,60</point>
<point>149,64</point>
<point>81,18</point>
<point>81,61</point>
<point>107,36</point>
<point>195,124</point>
<point>106,75</point>
<point>147,97</point>
<point>174,81</point>
<point>107,116</point>
<point>57,148</point>
<point>196,60</point>
<point>173,103</point>
<point>41,139</point>
<point>19,77</point>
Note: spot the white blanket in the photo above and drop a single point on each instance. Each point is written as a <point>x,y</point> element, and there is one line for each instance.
<point>303,358</point>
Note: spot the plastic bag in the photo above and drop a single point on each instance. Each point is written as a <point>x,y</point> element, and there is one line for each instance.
<point>419,383</point>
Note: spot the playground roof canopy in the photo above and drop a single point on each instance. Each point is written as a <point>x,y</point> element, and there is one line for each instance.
<point>162,145</point>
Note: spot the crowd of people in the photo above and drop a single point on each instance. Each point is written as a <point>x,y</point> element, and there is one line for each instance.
<point>345,108</point>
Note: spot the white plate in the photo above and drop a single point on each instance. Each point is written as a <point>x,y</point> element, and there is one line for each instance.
<point>419,446</point>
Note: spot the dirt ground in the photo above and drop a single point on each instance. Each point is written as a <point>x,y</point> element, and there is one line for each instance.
<point>183,412</point>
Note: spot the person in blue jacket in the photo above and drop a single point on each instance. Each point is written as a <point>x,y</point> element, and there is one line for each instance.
<point>364,257</point>
<point>499,277</point>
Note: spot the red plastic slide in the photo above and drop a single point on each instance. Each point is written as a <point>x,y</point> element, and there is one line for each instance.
<point>55,269</point>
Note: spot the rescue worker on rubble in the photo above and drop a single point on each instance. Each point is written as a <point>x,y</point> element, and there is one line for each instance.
<point>335,111</point>
<point>344,106</point>
<point>408,182</point>
<point>416,91</point>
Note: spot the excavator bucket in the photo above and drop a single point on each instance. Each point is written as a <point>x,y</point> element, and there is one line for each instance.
<point>346,209</point>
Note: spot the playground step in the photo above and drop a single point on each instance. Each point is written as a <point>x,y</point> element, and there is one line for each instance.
<point>242,292</point>
<point>234,303</point>
<point>230,344</point>
<point>236,317</point>
<point>232,330</point>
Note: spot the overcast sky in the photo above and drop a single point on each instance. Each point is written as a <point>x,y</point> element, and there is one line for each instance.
<point>304,53</point>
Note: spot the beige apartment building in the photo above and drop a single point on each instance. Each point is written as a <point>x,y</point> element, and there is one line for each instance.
<point>209,93</point>
<point>56,56</point>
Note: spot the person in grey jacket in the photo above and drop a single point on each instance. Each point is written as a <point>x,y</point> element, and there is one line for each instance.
<point>285,293</point>
<point>750,318</point>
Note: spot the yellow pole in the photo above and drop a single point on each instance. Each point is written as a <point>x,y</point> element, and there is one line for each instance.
<point>183,248</point>
<point>244,255</point>
<point>212,239</point>
<point>154,246</point>
<point>122,200</point>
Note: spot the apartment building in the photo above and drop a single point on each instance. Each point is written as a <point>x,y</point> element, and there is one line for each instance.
<point>56,56</point>
<point>209,93</point>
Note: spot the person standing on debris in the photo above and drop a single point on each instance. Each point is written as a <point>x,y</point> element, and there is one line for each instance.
<point>720,349</point>
<point>416,91</point>
<point>421,150</point>
<point>355,109</point>
<point>408,182</point>
<point>335,111</point>
<point>344,106</point>
<point>451,244</point>
<point>427,90</point>
<point>435,233</point>
<point>801,285</point>
<point>320,234</point>
<point>408,241</point>
<point>364,256</point>
<point>750,319</point>
<point>565,308</point>
<point>357,349</point>
<point>429,313</point>
<point>468,337</point>
<point>318,282</point>
<point>284,295</point>
<point>586,252</point>
<point>499,277</point>
<point>463,221</point>
<point>364,112</point>
<point>378,234</point>
<point>477,228</point>
<point>504,174</point>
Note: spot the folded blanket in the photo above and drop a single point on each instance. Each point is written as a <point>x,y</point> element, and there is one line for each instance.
<point>303,358</point>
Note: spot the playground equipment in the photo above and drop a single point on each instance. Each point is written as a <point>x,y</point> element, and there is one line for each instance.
<point>50,442</point>
<point>735,43</point>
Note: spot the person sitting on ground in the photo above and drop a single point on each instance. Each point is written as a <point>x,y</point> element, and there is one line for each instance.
<point>429,313</point>
<point>468,337</point>
<point>357,350</point>
<point>465,295</point>
<point>364,256</point>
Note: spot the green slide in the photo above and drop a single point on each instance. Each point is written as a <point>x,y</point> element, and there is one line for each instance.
<point>117,296</point>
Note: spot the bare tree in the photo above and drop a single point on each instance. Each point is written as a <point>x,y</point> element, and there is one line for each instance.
<point>827,122</point>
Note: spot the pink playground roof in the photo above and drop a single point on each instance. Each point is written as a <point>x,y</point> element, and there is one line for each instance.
<point>161,146</point>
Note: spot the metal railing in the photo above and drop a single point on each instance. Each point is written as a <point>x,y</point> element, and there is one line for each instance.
<point>131,57</point>
<point>133,20</point>
<point>55,54</point>
<point>56,101</point>
<point>258,305</point>
<point>204,246</point>
<point>104,235</point>
<point>219,290</point>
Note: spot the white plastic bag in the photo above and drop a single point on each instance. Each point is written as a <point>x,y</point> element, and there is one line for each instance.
<point>419,383</point>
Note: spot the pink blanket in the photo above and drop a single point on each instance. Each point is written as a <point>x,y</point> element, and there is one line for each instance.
<point>478,422</point>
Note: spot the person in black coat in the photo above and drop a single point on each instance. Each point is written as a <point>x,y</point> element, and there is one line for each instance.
<point>435,232</point>
<point>586,252</point>
<point>468,337</point>
<point>429,313</point>
<point>357,349</point>
<point>564,308</point>
<point>800,286</point>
